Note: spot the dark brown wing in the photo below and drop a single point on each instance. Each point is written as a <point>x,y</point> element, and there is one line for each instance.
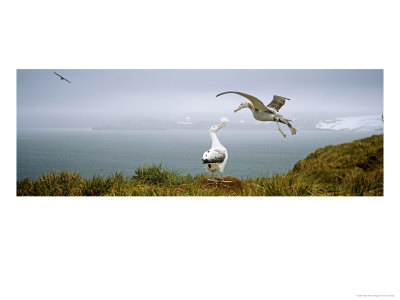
<point>57,74</point>
<point>213,156</point>
<point>257,103</point>
<point>277,102</point>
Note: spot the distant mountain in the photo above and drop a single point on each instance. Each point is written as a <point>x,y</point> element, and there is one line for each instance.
<point>305,122</point>
<point>186,124</point>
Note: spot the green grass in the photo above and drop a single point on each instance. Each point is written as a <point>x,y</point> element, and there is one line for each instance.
<point>349,169</point>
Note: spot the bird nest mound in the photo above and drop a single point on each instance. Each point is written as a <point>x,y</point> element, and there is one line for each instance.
<point>228,184</point>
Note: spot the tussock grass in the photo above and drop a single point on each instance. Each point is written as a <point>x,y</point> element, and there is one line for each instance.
<point>350,169</point>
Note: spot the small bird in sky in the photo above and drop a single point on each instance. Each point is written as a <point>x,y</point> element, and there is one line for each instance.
<point>62,78</point>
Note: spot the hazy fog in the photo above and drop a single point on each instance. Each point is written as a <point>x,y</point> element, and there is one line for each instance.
<point>98,97</point>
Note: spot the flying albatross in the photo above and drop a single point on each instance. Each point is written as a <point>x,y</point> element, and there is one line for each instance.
<point>265,113</point>
<point>62,78</point>
<point>217,156</point>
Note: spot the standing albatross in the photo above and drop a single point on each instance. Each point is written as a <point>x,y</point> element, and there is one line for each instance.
<point>217,156</point>
<point>62,78</point>
<point>265,113</point>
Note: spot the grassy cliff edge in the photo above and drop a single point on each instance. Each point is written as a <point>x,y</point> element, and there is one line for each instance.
<point>349,169</point>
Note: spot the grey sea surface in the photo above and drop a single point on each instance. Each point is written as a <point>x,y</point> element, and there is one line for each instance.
<point>103,152</point>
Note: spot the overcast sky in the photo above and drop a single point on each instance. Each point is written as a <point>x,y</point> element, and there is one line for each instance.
<point>99,97</point>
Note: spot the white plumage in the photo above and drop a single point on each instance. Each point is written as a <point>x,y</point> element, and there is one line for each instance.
<point>265,113</point>
<point>217,156</point>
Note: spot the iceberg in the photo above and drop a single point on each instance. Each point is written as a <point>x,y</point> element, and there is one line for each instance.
<point>373,122</point>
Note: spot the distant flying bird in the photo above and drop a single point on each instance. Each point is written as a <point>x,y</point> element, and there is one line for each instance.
<point>265,113</point>
<point>217,156</point>
<point>62,78</point>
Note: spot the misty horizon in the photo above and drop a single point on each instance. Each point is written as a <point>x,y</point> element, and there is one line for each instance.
<point>112,97</point>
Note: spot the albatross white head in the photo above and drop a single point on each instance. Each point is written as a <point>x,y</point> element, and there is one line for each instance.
<point>215,128</point>
<point>242,105</point>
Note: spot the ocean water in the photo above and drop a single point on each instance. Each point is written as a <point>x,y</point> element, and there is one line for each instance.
<point>91,152</point>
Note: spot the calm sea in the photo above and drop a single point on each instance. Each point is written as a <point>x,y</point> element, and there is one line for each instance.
<point>91,152</point>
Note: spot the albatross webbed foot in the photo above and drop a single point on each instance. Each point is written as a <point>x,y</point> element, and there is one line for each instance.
<point>212,178</point>
<point>222,179</point>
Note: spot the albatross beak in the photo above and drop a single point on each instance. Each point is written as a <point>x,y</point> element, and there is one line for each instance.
<point>237,109</point>
<point>221,125</point>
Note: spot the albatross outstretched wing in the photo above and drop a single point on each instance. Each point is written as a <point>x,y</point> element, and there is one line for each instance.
<point>58,74</point>
<point>257,103</point>
<point>277,102</point>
